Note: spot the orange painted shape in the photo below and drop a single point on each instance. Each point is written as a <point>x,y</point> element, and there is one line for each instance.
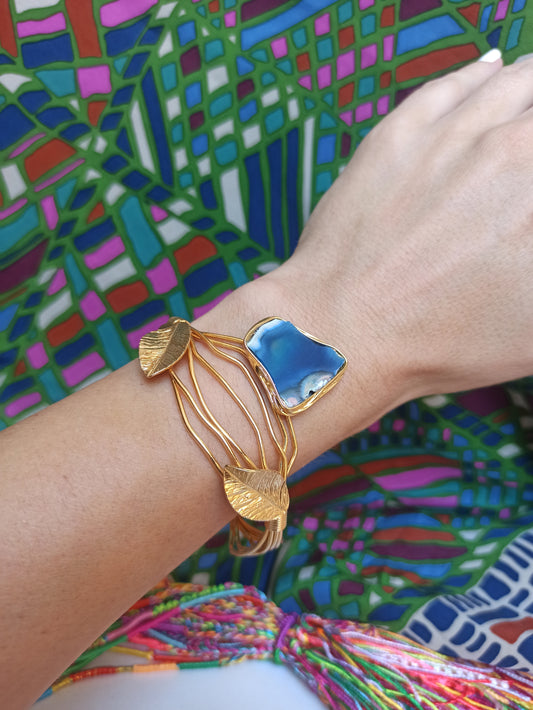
<point>511,631</point>
<point>412,535</point>
<point>323,477</point>
<point>375,570</point>
<point>214,6</point>
<point>198,249</point>
<point>385,79</point>
<point>438,60</point>
<point>46,157</point>
<point>20,369</point>
<point>1,199</point>
<point>302,62</point>
<point>96,213</point>
<point>471,13</point>
<point>387,16</point>
<point>81,15</point>
<point>127,296</point>
<point>346,37</point>
<point>94,111</point>
<point>8,40</point>
<point>400,463</point>
<point>65,330</point>
<point>346,94</point>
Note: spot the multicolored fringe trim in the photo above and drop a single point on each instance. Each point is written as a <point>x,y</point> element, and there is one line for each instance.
<point>350,666</point>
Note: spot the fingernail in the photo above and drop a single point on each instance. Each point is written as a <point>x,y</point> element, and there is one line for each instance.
<point>523,58</point>
<point>491,56</point>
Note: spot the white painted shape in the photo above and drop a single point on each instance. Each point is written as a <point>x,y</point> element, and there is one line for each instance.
<point>307,168</point>
<point>509,450</point>
<point>113,193</point>
<point>180,158</point>
<point>306,572</point>
<point>141,140</point>
<point>251,135</point>
<point>204,166</point>
<point>172,230</point>
<point>92,174</point>
<point>100,145</point>
<point>436,400</point>
<point>232,198</point>
<point>178,207</point>
<point>224,129</point>
<point>119,270</point>
<point>217,77</point>
<point>54,309</point>
<point>14,181</point>
<point>293,109</point>
<point>173,107</point>
<point>167,45</point>
<point>46,275</point>
<point>23,5</point>
<point>13,82</point>
<point>267,266</point>
<point>270,97</point>
<point>166,10</point>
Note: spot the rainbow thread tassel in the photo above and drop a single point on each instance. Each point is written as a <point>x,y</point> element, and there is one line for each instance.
<point>350,666</point>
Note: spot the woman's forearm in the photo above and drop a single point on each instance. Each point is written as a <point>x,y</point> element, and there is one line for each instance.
<point>104,493</point>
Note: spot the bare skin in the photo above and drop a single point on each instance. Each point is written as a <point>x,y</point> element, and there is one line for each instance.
<point>417,264</point>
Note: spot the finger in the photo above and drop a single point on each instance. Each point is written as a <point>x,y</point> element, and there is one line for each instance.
<point>503,98</point>
<point>440,97</point>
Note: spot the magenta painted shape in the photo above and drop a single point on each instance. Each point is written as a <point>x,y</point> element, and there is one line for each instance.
<point>230,19</point>
<point>501,10</point>
<point>115,13</point>
<point>58,282</point>
<point>375,426</point>
<point>105,253</point>
<point>94,80</point>
<point>323,76</point>
<point>416,478</point>
<point>363,112</point>
<point>92,306</point>
<point>306,82</point>
<point>15,207</point>
<point>310,523</point>
<point>37,355</point>
<point>383,105</point>
<point>24,146</point>
<point>434,502</point>
<point>347,117</point>
<point>388,47</point>
<point>279,47</point>
<point>59,175</point>
<point>134,337</point>
<point>54,23</point>
<point>369,56</point>
<point>158,213</point>
<point>345,64</point>
<point>322,25</point>
<point>163,277</point>
<point>365,4</point>
<point>84,368</point>
<point>22,403</point>
<point>50,211</point>
<point>398,425</point>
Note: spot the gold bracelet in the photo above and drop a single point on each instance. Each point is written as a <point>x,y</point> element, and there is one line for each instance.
<point>287,370</point>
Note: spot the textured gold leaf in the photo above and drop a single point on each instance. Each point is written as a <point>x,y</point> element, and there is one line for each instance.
<point>162,348</point>
<point>256,495</point>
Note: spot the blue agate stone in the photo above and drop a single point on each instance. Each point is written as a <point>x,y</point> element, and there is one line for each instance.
<point>298,368</point>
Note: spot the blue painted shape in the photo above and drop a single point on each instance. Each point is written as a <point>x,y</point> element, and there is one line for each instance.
<point>34,100</point>
<point>207,194</point>
<point>290,606</point>
<point>125,38</point>
<point>82,197</point>
<point>298,366</point>
<point>464,634</point>
<point>159,194</point>
<point>6,315</point>
<point>8,357</point>
<point>111,121</point>
<point>283,21</point>
<point>17,230</point>
<point>123,95</point>
<point>208,560</point>
<point>123,142</point>
<point>66,228</point>
<point>322,592</point>
<point>248,253</point>
<point>135,180</point>
<point>205,277</point>
<point>116,353</point>
<point>477,643</point>
<point>151,36</point>
<point>187,32</point>
<point>226,237</point>
<point>256,201</point>
<point>248,568</point>
<point>388,612</point>
<point>69,353</point>
<point>114,164</point>
<point>200,144</point>
<point>21,326</point>
<point>71,133</point>
<point>169,77</point>
<point>33,300</point>
<point>64,192</point>
<point>47,51</point>
<point>203,223</point>
<point>144,241</point>
<point>238,274</point>
<point>490,654</point>
<point>76,278</point>
<point>493,38</point>
<point>485,17</point>
<point>177,305</point>
<point>507,662</point>
<point>494,614</point>
<point>95,235</point>
<point>275,162</point>
<point>326,149</point>
<point>244,66</point>
<point>248,110</point>
<point>51,384</point>
<point>292,188</point>
<point>193,94</point>
<point>4,59</point>
<point>519,5</point>
<point>61,82</point>
<point>459,580</point>
<point>424,33</point>
<point>441,615</point>
<point>14,125</point>
<point>140,315</point>
<point>421,631</point>
<point>157,124</point>
<point>16,388</point>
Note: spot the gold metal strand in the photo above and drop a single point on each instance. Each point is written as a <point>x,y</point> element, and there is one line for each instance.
<point>237,400</point>
<point>222,433</point>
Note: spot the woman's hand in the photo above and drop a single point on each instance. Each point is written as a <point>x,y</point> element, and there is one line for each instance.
<point>422,251</point>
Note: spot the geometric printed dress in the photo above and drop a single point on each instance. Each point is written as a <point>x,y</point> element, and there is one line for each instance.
<point>156,155</point>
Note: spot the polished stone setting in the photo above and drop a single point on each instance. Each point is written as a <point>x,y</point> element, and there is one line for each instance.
<point>296,368</point>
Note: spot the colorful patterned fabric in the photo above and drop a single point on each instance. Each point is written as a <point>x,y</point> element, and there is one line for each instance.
<point>350,666</point>
<point>156,155</point>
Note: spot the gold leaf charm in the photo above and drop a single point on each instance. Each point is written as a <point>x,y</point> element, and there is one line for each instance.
<point>162,348</point>
<point>256,495</point>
